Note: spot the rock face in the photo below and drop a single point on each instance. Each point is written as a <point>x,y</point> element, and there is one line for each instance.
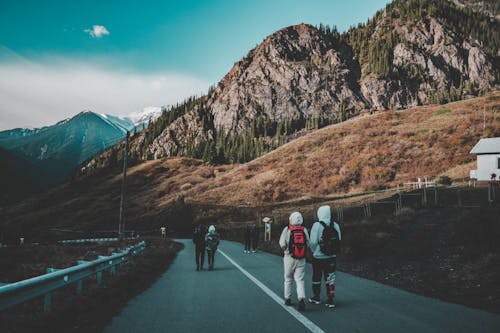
<point>301,72</point>
<point>296,71</point>
<point>431,59</point>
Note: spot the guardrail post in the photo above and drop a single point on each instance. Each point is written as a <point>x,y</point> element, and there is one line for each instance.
<point>99,277</point>
<point>424,196</point>
<point>47,303</point>
<point>79,287</point>
<point>435,196</point>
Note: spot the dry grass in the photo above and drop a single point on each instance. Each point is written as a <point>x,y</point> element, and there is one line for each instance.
<point>366,153</point>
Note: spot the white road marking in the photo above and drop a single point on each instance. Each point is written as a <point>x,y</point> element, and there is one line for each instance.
<point>299,316</point>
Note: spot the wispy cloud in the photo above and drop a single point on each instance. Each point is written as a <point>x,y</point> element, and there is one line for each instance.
<point>97,31</point>
<point>39,95</point>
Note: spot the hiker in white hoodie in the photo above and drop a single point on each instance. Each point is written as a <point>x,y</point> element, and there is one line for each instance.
<point>294,241</point>
<point>324,265</point>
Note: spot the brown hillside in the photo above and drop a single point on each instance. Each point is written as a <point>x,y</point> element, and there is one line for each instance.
<point>370,152</point>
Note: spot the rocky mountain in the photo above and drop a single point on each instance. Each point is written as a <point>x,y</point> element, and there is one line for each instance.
<point>419,52</point>
<point>411,53</point>
<point>49,155</point>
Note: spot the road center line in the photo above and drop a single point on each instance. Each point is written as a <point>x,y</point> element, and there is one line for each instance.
<point>296,314</point>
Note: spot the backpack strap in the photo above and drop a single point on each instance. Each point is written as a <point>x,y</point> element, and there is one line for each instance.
<point>323,224</point>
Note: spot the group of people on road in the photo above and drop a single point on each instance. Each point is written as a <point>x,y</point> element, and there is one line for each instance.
<point>251,238</point>
<point>205,241</point>
<point>324,244</point>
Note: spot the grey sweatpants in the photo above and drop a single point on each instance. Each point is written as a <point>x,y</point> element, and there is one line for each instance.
<point>295,269</point>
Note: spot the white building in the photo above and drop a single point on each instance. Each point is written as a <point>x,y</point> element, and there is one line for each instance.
<point>488,159</point>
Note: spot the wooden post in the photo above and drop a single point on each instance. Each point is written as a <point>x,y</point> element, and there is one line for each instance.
<point>367,210</point>
<point>340,214</point>
<point>435,196</point>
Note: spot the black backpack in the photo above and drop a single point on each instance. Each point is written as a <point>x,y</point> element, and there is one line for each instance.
<point>329,242</point>
<point>297,242</point>
<point>199,235</point>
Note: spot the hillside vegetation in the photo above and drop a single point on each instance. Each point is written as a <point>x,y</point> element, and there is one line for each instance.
<point>369,152</point>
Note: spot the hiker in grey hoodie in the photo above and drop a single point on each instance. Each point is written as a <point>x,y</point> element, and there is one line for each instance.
<point>212,240</point>
<point>324,265</point>
<point>294,241</point>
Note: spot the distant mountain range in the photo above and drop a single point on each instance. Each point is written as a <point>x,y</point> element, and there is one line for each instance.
<point>47,156</point>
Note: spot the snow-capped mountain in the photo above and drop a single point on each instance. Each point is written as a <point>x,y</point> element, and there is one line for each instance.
<point>56,151</point>
<point>41,157</point>
<point>147,114</point>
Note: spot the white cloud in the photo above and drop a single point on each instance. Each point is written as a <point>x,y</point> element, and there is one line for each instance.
<point>97,31</point>
<point>40,95</point>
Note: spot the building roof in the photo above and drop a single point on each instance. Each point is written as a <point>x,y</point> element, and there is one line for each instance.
<point>487,146</point>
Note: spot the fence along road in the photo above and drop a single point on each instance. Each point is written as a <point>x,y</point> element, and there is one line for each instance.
<point>228,300</point>
<point>18,292</point>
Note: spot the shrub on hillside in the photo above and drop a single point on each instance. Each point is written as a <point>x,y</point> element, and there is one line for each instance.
<point>444,180</point>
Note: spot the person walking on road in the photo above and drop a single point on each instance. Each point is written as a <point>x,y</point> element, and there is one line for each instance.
<point>254,238</point>
<point>293,241</point>
<point>248,237</point>
<point>199,243</point>
<point>325,245</point>
<point>212,240</point>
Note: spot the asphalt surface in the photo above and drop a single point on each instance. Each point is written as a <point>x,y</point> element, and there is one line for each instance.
<point>245,294</point>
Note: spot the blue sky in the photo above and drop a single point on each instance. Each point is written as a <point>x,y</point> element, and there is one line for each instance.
<point>120,56</point>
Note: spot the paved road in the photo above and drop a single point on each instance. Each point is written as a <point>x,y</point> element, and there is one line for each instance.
<point>244,294</point>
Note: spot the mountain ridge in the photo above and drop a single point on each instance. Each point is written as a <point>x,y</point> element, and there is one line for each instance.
<point>410,53</point>
<point>50,155</point>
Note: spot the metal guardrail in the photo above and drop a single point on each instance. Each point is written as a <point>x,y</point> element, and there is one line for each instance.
<point>19,292</point>
<point>93,240</point>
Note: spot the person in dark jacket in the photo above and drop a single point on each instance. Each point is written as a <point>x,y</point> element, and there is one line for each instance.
<point>248,237</point>
<point>199,243</point>
<point>254,237</point>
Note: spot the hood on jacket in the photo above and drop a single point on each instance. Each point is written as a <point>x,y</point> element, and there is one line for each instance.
<point>324,214</point>
<point>211,229</point>
<point>296,219</point>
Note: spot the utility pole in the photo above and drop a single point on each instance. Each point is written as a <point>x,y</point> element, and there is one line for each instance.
<point>121,225</point>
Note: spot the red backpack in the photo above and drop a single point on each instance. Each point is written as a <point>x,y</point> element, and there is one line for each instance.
<point>297,243</point>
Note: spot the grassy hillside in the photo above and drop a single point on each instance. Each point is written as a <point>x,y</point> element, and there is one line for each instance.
<point>369,152</point>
